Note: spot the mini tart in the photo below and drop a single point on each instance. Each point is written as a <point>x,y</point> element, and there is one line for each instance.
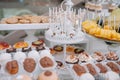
<point>4,45</point>
<point>58,48</point>
<point>98,56</point>
<point>37,43</point>
<point>70,49</point>
<point>78,50</point>
<point>112,56</point>
<point>20,44</point>
<point>72,59</point>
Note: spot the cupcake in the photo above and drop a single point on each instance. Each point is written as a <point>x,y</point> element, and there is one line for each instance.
<point>22,77</point>
<point>78,50</point>
<point>48,75</point>
<point>112,56</point>
<point>98,56</point>
<point>71,59</point>
<point>70,49</point>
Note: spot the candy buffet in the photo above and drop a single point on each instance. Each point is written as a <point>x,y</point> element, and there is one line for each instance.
<point>70,57</point>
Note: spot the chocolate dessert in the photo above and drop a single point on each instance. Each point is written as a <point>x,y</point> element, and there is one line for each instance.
<point>26,49</point>
<point>46,62</point>
<point>91,69</point>
<point>29,64</point>
<point>79,69</point>
<point>58,48</point>
<point>78,50</point>
<point>10,50</point>
<point>113,67</point>
<point>102,68</point>
<point>12,67</point>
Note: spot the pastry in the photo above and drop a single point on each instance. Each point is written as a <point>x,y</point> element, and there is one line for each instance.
<point>78,50</point>
<point>46,62</point>
<point>58,48</point>
<point>12,67</point>
<point>70,49</point>
<point>4,45</point>
<point>91,69</point>
<point>118,62</point>
<point>84,57</point>
<point>10,50</point>
<point>113,67</point>
<point>20,44</point>
<point>26,49</point>
<point>102,68</point>
<point>11,20</point>
<point>48,75</point>
<point>22,77</point>
<point>112,56</point>
<point>98,56</point>
<point>71,59</point>
<point>37,43</point>
<point>29,64</point>
<point>79,70</point>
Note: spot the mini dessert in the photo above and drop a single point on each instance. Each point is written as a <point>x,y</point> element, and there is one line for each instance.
<point>98,56</point>
<point>78,50</point>
<point>48,75</point>
<point>118,62</point>
<point>46,62</point>
<point>4,45</point>
<point>112,56</point>
<point>21,44</point>
<point>38,48</point>
<point>72,59</point>
<point>29,64</point>
<point>91,69</point>
<point>86,76</point>
<point>84,57</point>
<point>70,49</point>
<point>102,68</point>
<point>37,43</point>
<point>58,48</point>
<point>79,70</point>
<point>12,67</point>
<point>113,67</point>
<point>27,49</point>
<point>10,50</point>
<point>52,51</point>
<point>22,77</point>
<point>11,20</point>
<point>60,64</point>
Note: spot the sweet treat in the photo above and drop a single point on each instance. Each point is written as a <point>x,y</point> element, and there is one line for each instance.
<point>118,62</point>
<point>22,77</point>
<point>102,68</point>
<point>84,57</point>
<point>29,64</point>
<point>4,45</point>
<point>19,56</point>
<point>58,48</point>
<point>91,69</point>
<point>46,62</point>
<point>98,56</point>
<point>79,70</point>
<point>48,75</point>
<point>10,50</point>
<point>86,76</point>
<point>37,43</point>
<point>26,49</point>
<point>12,20</point>
<point>78,50</point>
<point>20,44</point>
<point>40,48</point>
<point>113,67</point>
<point>72,59</point>
<point>52,51</point>
<point>12,67</point>
<point>112,56</point>
<point>70,49</point>
<point>59,64</point>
